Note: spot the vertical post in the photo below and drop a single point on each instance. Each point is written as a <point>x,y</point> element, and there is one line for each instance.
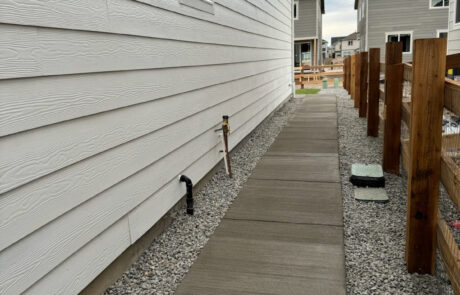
<point>348,74</point>
<point>394,70</point>
<point>352,74</point>
<point>345,73</point>
<point>363,84</point>
<point>429,65</point>
<point>373,93</point>
<point>357,70</point>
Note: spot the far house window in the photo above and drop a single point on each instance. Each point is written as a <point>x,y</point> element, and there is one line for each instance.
<point>439,3</point>
<point>295,10</point>
<point>405,38</point>
<point>457,13</point>
<point>442,34</point>
<point>350,43</point>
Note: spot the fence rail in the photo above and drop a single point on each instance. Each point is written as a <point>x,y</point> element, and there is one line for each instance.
<point>426,155</point>
<point>314,74</point>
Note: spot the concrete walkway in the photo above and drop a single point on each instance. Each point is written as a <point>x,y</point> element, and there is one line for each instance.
<point>284,232</point>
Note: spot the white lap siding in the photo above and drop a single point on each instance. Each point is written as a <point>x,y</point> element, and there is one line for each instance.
<point>103,103</point>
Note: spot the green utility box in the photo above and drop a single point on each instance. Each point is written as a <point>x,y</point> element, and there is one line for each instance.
<point>336,83</point>
<point>324,83</point>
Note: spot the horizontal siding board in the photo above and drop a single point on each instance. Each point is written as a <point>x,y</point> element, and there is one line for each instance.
<point>265,6</point>
<point>60,145</point>
<point>222,16</point>
<point>306,26</point>
<point>98,253</point>
<point>128,17</point>
<point>35,102</point>
<point>140,219</point>
<point>71,276</point>
<point>64,236</point>
<point>29,207</point>
<point>281,8</point>
<point>251,11</point>
<point>30,51</point>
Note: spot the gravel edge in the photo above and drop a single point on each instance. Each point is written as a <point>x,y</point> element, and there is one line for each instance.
<point>375,233</point>
<point>161,267</point>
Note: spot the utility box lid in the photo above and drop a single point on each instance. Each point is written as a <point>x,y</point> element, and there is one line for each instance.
<point>367,175</point>
<point>378,195</point>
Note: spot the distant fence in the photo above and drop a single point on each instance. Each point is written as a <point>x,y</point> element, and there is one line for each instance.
<point>315,74</point>
<point>428,155</point>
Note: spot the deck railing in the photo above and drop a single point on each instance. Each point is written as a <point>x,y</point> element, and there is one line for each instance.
<point>305,75</point>
<point>427,155</point>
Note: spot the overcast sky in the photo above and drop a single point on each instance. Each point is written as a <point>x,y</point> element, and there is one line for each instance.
<point>339,20</point>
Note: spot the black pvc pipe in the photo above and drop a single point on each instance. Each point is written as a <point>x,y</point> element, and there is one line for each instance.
<point>189,199</point>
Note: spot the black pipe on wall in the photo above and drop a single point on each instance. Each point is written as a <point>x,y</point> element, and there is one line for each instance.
<point>189,199</point>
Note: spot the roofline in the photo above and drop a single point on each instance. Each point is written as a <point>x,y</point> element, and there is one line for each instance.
<point>356,4</point>
<point>323,8</point>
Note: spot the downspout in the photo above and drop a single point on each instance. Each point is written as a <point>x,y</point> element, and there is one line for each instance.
<point>189,199</point>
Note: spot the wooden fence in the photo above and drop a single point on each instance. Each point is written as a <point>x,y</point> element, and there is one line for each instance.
<point>314,74</point>
<point>425,155</point>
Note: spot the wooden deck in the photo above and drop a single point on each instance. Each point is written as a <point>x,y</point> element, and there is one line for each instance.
<point>284,232</point>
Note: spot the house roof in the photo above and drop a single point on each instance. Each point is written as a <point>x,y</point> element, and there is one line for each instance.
<point>356,4</point>
<point>353,36</point>
<point>336,39</point>
<point>323,8</point>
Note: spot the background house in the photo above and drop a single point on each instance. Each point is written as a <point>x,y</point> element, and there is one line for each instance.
<point>350,45</point>
<point>453,44</point>
<point>400,20</point>
<point>336,43</point>
<point>324,49</point>
<point>103,104</point>
<point>308,32</point>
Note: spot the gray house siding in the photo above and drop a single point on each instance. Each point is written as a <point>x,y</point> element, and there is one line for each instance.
<point>403,16</point>
<point>103,103</point>
<point>320,32</point>
<point>362,24</point>
<point>306,26</point>
<point>453,44</point>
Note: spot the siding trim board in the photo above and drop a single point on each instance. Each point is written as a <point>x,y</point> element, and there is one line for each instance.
<point>104,103</point>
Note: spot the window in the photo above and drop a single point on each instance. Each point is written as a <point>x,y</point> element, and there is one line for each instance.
<point>457,12</point>
<point>295,10</point>
<point>442,33</point>
<point>203,5</point>
<point>404,37</point>
<point>350,43</point>
<point>439,3</point>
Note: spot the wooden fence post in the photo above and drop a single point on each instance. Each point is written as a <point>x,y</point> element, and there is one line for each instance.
<point>373,93</point>
<point>348,74</point>
<point>363,56</point>
<point>394,70</point>
<point>353,78</point>
<point>345,73</point>
<point>429,65</point>
<point>357,70</point>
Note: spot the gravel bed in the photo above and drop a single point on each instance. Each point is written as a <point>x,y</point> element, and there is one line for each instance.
<point>375,233</point>
<point>161,267</point>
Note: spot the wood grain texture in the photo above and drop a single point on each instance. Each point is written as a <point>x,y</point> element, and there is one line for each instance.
<point>450,252</point>
<point>394,70</point>
<point>425,150</point>
<point>31,51</point>
<point>353,77</point>
<point>373,93</point>
<point>31,103</point>
<point>452,96</point>
<point>363,74</point>
<point>71,276</point>
<point>103,104</point>
<point>135,18</point>
<point>65,235</point>
<point>29,207</point>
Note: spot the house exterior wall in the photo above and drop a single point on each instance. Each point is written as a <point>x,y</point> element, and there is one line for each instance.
<point>414,16</point>
<point>103,103</point>
<point>453,43</point>
<point>306,27</point>
<point>362,24</point>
